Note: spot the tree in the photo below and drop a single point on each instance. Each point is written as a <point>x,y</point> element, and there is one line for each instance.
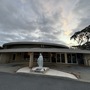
<point>82,36</point>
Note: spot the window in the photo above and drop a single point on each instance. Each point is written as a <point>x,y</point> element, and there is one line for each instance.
<point>62,58</point>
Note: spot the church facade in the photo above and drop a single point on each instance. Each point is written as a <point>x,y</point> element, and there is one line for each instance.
<point>28,52</point>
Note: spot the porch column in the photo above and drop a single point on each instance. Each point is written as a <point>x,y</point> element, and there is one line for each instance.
<point>66,58</point>
<point>31,60</point>
<point>87,59</point>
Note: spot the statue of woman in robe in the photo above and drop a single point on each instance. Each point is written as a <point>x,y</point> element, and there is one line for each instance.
<point>40,61</point>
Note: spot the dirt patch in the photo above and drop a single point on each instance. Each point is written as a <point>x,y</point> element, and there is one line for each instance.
<point>76,74</point>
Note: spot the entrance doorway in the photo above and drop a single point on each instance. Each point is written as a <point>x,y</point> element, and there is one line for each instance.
<point>26,56</point>
<point>13,58</point>
<point>53,57</point>
<point>60,57</point>
<point>80,59</point>
<point>72,58</point>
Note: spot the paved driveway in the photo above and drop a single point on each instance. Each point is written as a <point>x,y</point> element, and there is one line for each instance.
<point>82,72</point>
<point>11,67</point>
<point>39,82</point>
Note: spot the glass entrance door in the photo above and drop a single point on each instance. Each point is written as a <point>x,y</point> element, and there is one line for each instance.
<point>74,58</point>
<point>71,58</point>
<point>53,57</point>
<point>60,57</point>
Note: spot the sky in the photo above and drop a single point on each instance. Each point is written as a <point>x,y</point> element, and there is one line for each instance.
<point>42,20</point>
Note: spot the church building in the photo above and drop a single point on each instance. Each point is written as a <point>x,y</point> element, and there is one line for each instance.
<point>28,53</point>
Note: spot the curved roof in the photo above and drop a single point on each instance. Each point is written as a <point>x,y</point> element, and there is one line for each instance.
<point>36,43</point>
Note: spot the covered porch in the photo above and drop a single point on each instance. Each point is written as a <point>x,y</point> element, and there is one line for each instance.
<point>30,58</point>
<point>51,56</point>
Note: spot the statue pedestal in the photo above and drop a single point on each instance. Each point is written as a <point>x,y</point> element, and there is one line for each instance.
<point>40,70</point>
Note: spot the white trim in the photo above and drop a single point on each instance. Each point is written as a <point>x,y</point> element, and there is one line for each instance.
<point>53,50</point>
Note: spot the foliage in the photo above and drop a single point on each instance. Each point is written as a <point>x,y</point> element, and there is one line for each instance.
<point>82,36</point>
<point>86,46</point>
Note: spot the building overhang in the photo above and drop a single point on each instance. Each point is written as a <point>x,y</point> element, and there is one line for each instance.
<point>45,50</point>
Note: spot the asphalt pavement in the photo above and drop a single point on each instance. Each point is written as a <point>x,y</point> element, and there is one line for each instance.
<point>9,81</point>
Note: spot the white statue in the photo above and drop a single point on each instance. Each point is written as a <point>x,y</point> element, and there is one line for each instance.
<point>40,61</point>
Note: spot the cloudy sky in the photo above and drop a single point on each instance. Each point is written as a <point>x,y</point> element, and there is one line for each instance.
<point>42,20</point>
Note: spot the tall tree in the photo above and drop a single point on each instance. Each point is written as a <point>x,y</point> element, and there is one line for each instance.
<point>82,36</point>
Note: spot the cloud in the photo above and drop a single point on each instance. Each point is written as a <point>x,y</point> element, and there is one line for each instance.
<point>83,15</point>
<point>42,20</point>
<point>19,20</point>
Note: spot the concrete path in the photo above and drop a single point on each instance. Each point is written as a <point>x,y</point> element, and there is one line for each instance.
<point>50,72</point>
<point>22,81</point>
